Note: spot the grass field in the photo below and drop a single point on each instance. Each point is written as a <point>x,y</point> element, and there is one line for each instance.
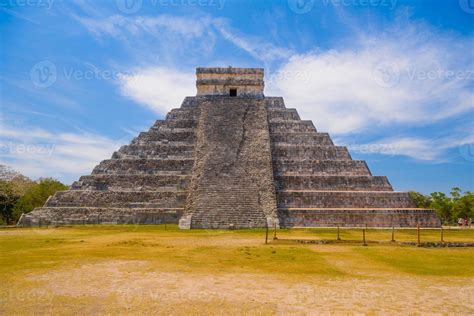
<point>147,269</point>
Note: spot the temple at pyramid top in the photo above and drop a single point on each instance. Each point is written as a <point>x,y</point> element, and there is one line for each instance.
<point>233,82</point>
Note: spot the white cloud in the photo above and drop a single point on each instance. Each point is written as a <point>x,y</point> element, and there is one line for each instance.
<point>158,88</point>
<point>410,74</point>
<point>36,152</point>
<point>414,147</point>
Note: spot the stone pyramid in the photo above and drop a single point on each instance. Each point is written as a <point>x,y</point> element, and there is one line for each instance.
<point>232,158</point>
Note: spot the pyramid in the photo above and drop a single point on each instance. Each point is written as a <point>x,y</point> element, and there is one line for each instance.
<point>232,158</point>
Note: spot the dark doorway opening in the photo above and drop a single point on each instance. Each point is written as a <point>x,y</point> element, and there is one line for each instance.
<point>233,92</point>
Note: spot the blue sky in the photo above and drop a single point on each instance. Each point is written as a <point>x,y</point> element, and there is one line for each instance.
<point>392,80</point>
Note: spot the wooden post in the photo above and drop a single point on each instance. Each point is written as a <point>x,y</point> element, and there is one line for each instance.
<point>393,234</point>
<point>363,237</point>
<point>418,232</point>
<point>338,236</point>
<point>442,234</point>
<point>275,231</point>
<point>266,234</point>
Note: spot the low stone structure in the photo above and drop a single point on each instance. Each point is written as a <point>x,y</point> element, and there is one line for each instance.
<point>232,158</point>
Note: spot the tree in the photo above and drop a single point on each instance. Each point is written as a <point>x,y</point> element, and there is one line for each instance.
<point>8,199</point>
<point>442,204</point>
<point>421,201</point>
<point>463,207</point>
<point>36,195</point>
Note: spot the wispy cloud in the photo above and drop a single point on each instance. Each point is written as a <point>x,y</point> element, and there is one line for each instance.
<point>409,74</point>
<point>36,152</point>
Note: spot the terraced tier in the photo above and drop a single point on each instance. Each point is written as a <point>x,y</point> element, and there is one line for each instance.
<point>357,217</point>
<point>320,167</point>
<point>44,216</point>
<point>144,166</point>
<point>292,126</point>
<point>147,151</point>
<point>330,183</point>
<point>309,152</point>
<point>130,199</point>
<point>131,182</point>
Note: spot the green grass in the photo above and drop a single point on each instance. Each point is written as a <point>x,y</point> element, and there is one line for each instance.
<point>28,253</point>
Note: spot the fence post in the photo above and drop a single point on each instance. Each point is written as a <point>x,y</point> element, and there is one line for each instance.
<point>393,233</point>
<point>338,236</point>
<point>442,234</point>
<point>363,237</point>
<point>266,234</point>
<point>418,232</point>
<point>275,231</point>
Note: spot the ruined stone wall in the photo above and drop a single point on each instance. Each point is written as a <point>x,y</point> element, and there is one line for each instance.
<point>232,182</point>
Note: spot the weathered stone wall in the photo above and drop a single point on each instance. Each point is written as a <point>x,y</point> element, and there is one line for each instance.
<point>232,180</point>
<point>347,217</point>
<point>219,81</point>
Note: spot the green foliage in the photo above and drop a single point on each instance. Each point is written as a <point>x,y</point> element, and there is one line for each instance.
<point>448,208</point>
<point>8,199</point>
<point>36,195</point>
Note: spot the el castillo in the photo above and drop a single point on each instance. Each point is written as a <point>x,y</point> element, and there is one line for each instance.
<point>232,158</point>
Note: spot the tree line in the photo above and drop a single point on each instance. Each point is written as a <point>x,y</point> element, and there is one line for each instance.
<point>22,195</point>
<point>450,208</point>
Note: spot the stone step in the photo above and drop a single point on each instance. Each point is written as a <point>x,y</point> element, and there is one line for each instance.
<point>292,126</point>
<point>341,199</point>
<point>170,135</point>
<point>132,199</point>
<point>347,183</point>
<point>183,114</point>
<point>189,102</point>
<point>97,215</point>
<point>131,182</point>
<point>175,123</point>
<point>143,166</point>
<point>303,138</point>
<point>310,152</point>
<point>320,167</point>
<point>275,102</point>
<point>277,114</point>
<point>170,150</point>
<point>357,217</point>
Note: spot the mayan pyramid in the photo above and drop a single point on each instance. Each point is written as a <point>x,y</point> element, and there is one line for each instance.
<point>232,158</point>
